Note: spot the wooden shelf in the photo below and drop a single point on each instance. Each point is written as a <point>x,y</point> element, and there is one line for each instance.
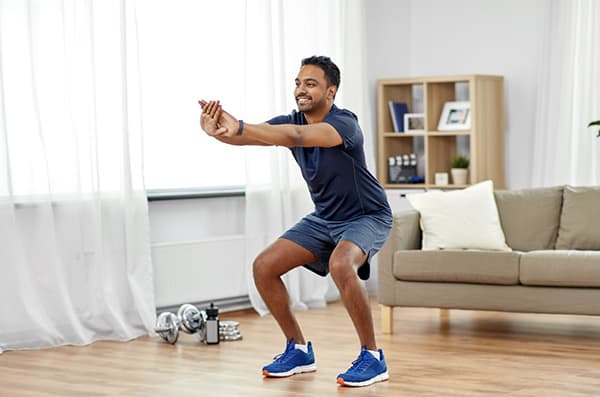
<point>483,144</point>
<point>400,135</point>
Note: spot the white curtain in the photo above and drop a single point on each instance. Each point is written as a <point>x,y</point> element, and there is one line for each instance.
<point>74,237</point>
<point>278,198</point>
<point>566,151</point>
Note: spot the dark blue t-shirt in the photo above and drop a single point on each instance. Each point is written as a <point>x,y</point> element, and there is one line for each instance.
<point>339,182</point>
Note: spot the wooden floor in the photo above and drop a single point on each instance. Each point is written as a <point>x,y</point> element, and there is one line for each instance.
<point>466,353</point>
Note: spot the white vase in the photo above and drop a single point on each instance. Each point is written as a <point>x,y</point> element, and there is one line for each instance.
<point>459,176</point>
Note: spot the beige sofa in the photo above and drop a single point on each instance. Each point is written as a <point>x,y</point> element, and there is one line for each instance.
<point>554,265</point>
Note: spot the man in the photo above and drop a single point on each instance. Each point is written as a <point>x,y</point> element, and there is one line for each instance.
<point>351,221</point>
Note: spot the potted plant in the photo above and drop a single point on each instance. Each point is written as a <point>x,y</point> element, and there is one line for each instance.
<point>595,123</point>
<point>459,171</point>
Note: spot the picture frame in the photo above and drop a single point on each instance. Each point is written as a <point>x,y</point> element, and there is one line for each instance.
<point>414,122</point>
<point>456,116</point>
<point>441,178</point>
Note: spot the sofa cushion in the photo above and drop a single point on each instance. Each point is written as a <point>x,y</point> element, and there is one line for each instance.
<point>561,268</point>
<point>457,266</point>
<point>530,217</point>
<point>579,219</point>
<point>465,218</point>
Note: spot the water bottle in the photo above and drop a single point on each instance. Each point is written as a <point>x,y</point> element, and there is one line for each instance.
<point>212,325</point>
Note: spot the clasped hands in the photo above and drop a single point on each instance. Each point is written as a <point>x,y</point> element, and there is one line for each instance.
<point>215,121</point>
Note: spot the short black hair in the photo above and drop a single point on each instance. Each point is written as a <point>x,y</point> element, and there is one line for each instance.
<point>332,72</point>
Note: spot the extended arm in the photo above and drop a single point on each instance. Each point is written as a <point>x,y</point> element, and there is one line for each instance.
<point>291,135</point>
<point>210,120</point>
<point>288,135</point>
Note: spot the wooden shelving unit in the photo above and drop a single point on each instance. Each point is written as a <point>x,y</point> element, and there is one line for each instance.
<point>483,144</point>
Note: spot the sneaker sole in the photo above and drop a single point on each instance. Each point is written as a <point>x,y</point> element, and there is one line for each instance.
<point>297,370</point>
<point>379,378</point>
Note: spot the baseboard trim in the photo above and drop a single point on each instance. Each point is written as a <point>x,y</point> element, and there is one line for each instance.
<point>225,305</point>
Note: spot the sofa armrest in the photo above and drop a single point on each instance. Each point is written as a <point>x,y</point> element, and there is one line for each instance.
<point>405,235</point>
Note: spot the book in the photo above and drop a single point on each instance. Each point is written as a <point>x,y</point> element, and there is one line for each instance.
<point>397,111</point>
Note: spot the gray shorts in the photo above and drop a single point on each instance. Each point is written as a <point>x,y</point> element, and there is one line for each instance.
<point>320,237</point>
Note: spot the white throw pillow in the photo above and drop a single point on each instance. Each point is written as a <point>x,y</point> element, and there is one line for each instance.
<point>461,219</point>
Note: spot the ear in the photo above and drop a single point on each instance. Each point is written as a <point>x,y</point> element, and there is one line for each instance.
<point>331,92</point>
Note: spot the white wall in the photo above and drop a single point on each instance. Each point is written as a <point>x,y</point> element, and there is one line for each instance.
<point>438,37</point>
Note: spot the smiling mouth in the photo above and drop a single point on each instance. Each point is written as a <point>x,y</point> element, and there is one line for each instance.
<point>302,100</point>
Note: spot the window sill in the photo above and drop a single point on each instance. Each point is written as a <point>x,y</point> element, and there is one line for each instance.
<point>191,193</point>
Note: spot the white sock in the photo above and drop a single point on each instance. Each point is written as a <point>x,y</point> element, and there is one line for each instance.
<point>375,353</point>
<point>303,348</point>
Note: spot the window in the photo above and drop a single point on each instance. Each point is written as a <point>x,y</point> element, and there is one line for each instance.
<point>186,54</point>
<point>69,125</point>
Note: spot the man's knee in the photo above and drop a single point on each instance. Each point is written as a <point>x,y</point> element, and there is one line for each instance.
<point>341,270</point>
<point>262,267</point>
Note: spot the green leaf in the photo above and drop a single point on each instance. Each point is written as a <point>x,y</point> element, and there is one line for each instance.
<point>460,162</point>
<point>594,123</point>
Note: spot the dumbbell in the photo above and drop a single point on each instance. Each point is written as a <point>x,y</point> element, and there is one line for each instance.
<point>188,318</point>
<point>167,326</point>
<point>192,320</point>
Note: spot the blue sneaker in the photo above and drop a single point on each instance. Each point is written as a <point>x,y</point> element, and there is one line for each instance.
<point>291,361</point>
<point>365,370</point>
